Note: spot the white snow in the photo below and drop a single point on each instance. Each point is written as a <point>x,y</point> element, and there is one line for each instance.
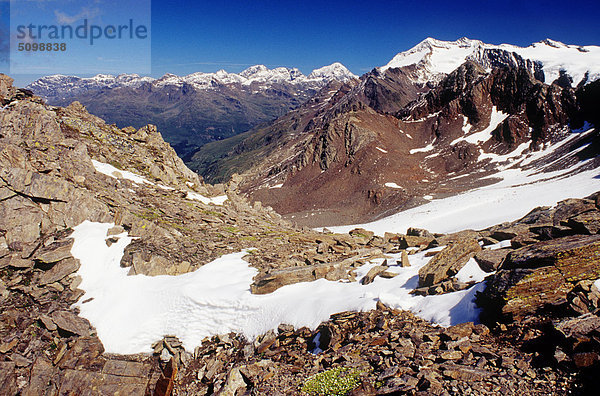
<point>436,58</point>
<point>466,126</point>
<point>131,312</point>
<point>425,149</point>
<point>499,245</point>
<point>392,185</point>
<point>218,200</point>
<point>495,119</point>
<point>382,150</point>
<point>471,272</point>
<point>514,196</point>
<point>277,185</point>
<point>428,197</point>
<point>556,56</point>
<point>115,173</point>
<point>517,152</point>
<point>335,71</point>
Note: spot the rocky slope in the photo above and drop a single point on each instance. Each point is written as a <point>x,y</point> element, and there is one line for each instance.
<point>442,110</point>
<point>194,109</point>
<point>63,166</point>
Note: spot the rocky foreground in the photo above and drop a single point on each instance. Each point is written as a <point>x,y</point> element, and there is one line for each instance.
<point>540,332</point>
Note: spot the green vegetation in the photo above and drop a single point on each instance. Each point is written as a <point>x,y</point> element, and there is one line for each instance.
<point>212,213</point>
<point>116,164</point>
<point>337,381</point>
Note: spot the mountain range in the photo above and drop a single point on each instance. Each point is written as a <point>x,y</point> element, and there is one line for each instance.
<point>439,119</point>
<point>194,109</point>
<point>122,272</point>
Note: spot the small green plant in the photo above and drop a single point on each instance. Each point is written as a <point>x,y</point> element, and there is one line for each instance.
<point>337,381</point>
<point>116,164</point>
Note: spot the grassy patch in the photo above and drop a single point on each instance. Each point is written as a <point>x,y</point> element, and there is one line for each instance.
<point>212,213</point>
<point>337,381</point>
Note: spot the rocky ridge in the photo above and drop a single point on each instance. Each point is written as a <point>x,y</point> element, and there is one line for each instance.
<point>49,184</point>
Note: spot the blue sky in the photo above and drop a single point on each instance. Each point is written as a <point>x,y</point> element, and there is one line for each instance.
<point>190,36</point>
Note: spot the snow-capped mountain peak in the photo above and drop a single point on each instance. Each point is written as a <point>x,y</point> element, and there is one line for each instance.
<point>436,58</point>
<point>334,71</point>
<point>257,76</point>
<point>254,70</point>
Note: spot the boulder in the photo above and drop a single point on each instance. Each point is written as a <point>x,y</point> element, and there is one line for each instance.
<point>573,254</point>
<point>82,354</point>
<point>417,241</point>
<point>489,260</point>
<point>55,252</point>
<point>585,223</point>
<point>80,382</point>
<point>71,323</point>
<point>373,273</point>
<point>47,322</point>
<point>404,261</point>
<point>527,238</point>
<point>578,326</point>
<point>361,232</point>
<point>455,237</point>
<point>570,208</point>
<point>42,375</point>
<point>448,262</point>
<point>14,261</point>
<point>125,368</point>
<point>269,282</point>
<point>37,185</point>
<point>235,383</point>
<point>419,232</point>
<point>59,271</point>
<point>538,276</point>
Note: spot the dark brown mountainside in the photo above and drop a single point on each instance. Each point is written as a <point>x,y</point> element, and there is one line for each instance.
<point>375,148</point>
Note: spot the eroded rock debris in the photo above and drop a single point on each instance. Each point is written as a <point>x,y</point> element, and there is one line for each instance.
<point>541,331</point>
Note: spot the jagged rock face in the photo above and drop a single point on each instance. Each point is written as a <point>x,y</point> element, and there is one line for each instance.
<point>391,92</point>
<point>471,92</point>
<point>589,100</point>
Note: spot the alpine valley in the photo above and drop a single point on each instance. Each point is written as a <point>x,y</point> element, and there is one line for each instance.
<point>473,167</point>
<point>195,109</point>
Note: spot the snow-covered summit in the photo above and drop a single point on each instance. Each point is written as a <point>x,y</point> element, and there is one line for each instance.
<point>435,58</point>
<point>335,71</point>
